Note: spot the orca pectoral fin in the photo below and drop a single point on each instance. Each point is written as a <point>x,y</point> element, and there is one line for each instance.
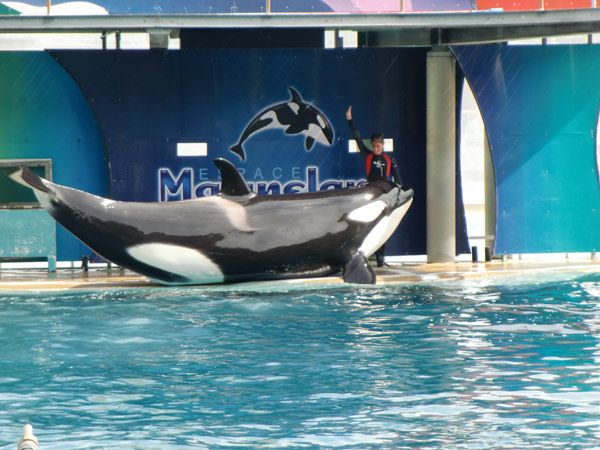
<point>359,271</point>
<point>310,141</point>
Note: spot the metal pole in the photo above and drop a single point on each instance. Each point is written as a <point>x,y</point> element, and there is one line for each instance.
<point>268,6</point>
<point>338,42</point>
<point>441,159</point>
<point>48,5</point>
<point>489,185</point>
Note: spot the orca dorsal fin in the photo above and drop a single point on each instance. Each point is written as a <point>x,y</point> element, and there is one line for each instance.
<point>232,182</point>
<point>295,96</point>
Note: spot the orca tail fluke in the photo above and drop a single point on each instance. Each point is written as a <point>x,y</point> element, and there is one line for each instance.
<point>359,271</point>
<point>23,175</point>
<point>239,150</point>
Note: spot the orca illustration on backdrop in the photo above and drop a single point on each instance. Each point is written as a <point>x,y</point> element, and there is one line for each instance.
<point>294,117</point>
<point>236,235</point>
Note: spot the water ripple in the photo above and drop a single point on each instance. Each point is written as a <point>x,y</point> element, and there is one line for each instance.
<point>464,365</point>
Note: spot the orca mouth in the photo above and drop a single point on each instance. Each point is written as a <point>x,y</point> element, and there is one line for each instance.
<point>405,196</point>
<point>387,223</point>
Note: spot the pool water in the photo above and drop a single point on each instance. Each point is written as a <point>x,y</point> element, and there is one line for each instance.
<point>464,365</point>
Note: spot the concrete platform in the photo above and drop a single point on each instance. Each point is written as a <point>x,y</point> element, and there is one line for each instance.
<point>32,281</point>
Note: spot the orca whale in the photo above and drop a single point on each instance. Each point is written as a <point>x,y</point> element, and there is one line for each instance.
<point>294,117</point>
<point>233,236</point>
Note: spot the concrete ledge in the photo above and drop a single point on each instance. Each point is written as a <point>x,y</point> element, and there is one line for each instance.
<point>29,281</point>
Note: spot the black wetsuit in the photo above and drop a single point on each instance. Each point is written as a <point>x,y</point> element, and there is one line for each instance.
<point>378,167</point>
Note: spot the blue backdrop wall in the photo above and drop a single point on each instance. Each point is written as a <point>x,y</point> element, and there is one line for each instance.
<point>540,109</point>
<point>148,103</point>
<point>43,114</point>
<point>130,111</point>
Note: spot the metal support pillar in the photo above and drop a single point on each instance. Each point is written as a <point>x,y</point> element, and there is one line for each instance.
<point>441,154</point>
<point>489,183</point>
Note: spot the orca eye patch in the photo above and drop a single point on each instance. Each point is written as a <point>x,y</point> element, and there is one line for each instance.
<point>368,212</point>
<point>321,121</point>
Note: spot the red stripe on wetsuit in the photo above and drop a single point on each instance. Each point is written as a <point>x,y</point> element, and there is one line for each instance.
<point>388,161</point>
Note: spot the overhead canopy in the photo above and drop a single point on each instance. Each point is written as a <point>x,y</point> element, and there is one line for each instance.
<point>375,30</point>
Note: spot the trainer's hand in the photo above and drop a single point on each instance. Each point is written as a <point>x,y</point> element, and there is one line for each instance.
<point>349,113</point>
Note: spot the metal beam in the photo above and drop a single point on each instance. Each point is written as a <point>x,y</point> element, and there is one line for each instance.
<point>392,29</point>
<point>501,34</point>
<point>456,36</point>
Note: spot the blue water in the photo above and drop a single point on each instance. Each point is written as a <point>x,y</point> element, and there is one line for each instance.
<point>454,365</point>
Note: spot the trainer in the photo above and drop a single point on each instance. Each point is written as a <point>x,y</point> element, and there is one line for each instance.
<point>379,166</point>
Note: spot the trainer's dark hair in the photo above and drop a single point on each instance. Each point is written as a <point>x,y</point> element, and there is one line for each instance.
<point>377,137</point>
